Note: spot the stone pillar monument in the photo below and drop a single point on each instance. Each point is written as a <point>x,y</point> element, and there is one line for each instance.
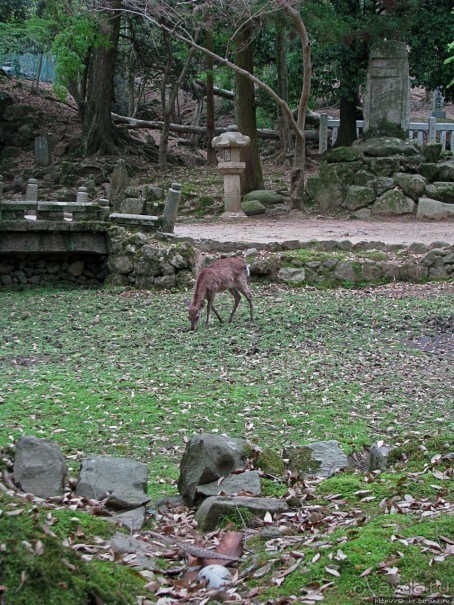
<point>387,98</point>
<point>232,168</point>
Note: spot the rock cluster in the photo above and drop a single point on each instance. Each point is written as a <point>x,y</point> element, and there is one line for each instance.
<point>147,263</point>
<point>385,177</point>
<point>215,476</point>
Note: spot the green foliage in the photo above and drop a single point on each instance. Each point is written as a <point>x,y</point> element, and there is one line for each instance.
<point>71,46</point>
<point>429,42</point>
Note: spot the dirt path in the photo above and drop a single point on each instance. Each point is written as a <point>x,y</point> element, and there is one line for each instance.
<point>298,227</point>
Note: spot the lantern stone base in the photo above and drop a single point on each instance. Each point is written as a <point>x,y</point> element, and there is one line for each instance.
<point>233,217</point>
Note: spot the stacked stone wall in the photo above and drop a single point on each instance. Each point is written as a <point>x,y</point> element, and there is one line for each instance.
<point>34,270</point>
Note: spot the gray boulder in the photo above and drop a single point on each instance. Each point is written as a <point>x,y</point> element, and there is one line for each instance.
<point>412,185</point>
<point>121,480</point>
<point>319,459</point>
<point>39,467</point>
<point>132,519</point>
<point>378,457</point>
<point>213,509</point>
<point>442,171</point>
<point>387,146</point>
<point>291,275</point>
<point>443,192</point>
<point>252,207</point>
<point>248,483</point>
<point>267,198</point>
<point>433,209</point>
<point>132,205</point>
<point>207,458</point>
<point>393,203</point>
<point>359,197</point>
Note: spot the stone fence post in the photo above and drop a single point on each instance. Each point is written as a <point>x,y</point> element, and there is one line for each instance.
<point>432,134</point>
<point>171,208</point>
<point>323,133</point>
<point>31,193</point>
<point>82,195</point>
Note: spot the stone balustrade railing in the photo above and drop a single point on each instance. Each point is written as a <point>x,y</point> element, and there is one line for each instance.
<point>32,209</point>
<point>17,210</point>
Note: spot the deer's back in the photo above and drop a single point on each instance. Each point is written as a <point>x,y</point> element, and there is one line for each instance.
<point>223,274</point>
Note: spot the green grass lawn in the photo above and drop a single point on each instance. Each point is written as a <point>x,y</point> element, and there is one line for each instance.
<point>100,372</point>
<point>106,372</point>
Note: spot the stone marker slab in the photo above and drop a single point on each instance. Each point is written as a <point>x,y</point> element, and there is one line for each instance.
<point>121,480</point>
<point>39,466</point>
<point>214,508</point>
<point>234,484</point>
<point>319,459</point>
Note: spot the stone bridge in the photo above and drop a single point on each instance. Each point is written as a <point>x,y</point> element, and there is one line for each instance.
<point>61,240</point>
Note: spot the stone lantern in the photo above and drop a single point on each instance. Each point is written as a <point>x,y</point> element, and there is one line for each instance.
<point>232,168</point>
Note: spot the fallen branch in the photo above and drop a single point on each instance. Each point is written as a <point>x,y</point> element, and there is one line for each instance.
<point>190,549</point>
<point>264,133</point>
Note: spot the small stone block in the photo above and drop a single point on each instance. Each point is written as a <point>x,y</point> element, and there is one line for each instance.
<point>135,219</point>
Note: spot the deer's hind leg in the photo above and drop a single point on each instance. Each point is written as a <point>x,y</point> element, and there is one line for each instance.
<point>236,295</point>
<point>243,288</point>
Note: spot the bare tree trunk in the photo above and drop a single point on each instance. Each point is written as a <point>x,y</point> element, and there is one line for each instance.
<point>211,152</point>
<point>196,121</point>
<point>285,132</point>
<point>168,99</point>
<point>300,143</point>
<point>35,86</point>
<point>252,178</point>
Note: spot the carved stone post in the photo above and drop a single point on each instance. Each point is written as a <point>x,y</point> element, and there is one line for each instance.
<point>232,168</point>
<point>31,193</point>
<point>171,208</point>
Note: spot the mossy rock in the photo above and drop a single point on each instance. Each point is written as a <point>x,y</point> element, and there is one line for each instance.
<point>362,178</point>
<point>381,184</point>
<point>383,166</point>
<point>359,197</point>
<point>387,146</point>
<point>342,154</point>
<point>444,171</point>
<point>393,203</point>
<point>270,462</point>
<point>432,152</point>
<point>267,198</point>
<point>251,207</point>
<point>413,185</point>
<point>443,192</point>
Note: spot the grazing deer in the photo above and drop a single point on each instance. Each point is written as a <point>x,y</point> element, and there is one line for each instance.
<point>224,274</point>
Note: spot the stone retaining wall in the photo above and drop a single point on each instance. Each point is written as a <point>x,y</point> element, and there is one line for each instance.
<point>17,270</point>
<point>155,260</point>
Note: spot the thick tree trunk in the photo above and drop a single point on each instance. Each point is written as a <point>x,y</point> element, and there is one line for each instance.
<point>347,130</point>
<point>98,131</point>
<point>252,178</point>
